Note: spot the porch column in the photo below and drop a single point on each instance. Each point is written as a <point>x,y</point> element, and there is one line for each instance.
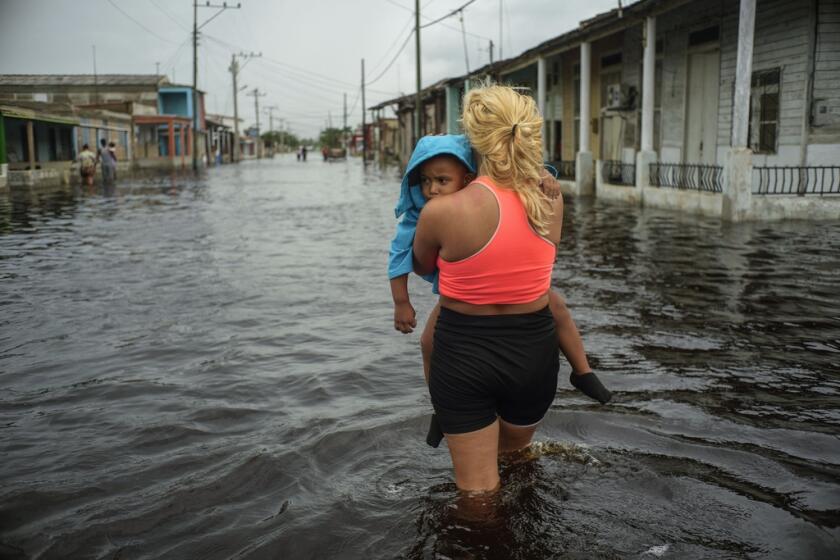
<point>171,145</point>
<point>585,78</point>
<point>743,75</point>
<point>584,169</point>
<point>30,143</point>
<point>452,112</point>
<point>181,138</point>
<point>646,155</point>
<point>541,102</point>
<point>737,190</point>
<point>648,86</point>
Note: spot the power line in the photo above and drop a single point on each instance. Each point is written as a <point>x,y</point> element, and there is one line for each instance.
<point>123,12</point>
<point>393,60</point>
<point>450,14</point>
<point>169,15</point>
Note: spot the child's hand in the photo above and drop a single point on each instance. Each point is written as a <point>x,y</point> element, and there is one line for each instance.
<point>549,186</point>
<point>404,317</point>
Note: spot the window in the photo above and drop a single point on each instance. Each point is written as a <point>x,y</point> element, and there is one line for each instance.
<point>703,36</point>
<point>764,111</point>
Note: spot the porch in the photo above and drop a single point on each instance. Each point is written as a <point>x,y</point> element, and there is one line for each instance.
<point>162,142</point>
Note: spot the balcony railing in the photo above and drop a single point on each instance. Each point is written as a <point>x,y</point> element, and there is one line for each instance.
<point>815,180</point>
<point>708,178</point>
<point>565,169</point>
<point>617,172</point>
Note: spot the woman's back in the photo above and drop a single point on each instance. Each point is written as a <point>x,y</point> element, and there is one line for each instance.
<point>513,266</point>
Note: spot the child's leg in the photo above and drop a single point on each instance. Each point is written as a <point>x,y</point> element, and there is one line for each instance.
<point>568,337</point>
<point>427,340</point>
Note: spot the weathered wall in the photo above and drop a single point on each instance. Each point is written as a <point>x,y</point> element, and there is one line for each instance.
<point>825,127</point>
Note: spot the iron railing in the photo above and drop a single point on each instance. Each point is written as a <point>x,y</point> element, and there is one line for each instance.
<point>565,169</point>
<point>617,172</point>
<point>708,178</point>
<point>814,180</point>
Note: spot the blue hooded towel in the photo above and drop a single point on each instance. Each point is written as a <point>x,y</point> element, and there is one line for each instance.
<point>411,201</point>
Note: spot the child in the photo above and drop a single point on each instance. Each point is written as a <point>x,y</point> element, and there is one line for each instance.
<point>442,165</point>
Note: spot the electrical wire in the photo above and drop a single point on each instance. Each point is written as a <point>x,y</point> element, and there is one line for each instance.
<point>450,14</point>
<point>169,15</point>
<point>123,12</point>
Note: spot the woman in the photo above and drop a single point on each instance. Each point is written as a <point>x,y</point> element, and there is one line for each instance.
<point>495,360</point>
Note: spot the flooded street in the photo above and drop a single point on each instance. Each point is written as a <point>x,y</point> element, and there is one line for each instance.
<point>207,368</point>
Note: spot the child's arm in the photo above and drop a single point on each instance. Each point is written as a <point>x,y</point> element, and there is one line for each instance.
<point>404,314</point>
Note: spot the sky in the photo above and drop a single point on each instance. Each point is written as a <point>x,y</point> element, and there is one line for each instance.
<point>311,50</point>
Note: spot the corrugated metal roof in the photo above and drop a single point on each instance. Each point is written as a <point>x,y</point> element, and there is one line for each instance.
<point>150,80</point>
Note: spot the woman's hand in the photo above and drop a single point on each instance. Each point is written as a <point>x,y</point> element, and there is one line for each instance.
<point>404,317</point>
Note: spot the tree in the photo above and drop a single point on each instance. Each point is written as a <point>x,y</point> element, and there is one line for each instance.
<point>280,138</point>
<point>332,137</point>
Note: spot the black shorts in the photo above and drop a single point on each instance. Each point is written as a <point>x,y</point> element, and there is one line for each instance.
<point>484,366</point>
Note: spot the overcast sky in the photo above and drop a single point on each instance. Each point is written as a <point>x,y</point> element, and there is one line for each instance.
<point>312,50</point>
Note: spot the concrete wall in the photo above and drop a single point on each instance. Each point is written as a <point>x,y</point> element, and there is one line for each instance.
<point>774,208</point>
<point>619,193</point>
<point>684,201</point>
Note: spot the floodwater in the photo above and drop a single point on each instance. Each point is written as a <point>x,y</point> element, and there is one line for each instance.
<point>207,369</point>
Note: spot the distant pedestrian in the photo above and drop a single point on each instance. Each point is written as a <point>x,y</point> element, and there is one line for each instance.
<point>303,151</point>
<point>299,153</point>
<point>325,152</point>
<point>112,151</point>
<point>87,165</point>
<point>105,158</point>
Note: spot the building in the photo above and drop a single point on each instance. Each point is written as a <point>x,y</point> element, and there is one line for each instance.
<point>39,142</point>
<point>650,105</point>
<point>160,131</point>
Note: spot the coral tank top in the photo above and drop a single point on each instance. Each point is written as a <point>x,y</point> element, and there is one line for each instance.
<point>513,267</point>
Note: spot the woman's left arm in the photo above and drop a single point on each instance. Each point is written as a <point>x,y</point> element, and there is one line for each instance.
<point>426,239</point>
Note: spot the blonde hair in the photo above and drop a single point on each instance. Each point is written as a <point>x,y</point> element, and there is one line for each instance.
<point>505,128</point>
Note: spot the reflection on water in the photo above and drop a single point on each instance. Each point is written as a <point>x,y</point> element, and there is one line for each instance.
<point>205,368</point>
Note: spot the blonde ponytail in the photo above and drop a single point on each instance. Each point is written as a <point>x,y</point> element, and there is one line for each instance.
<point>505,128</point>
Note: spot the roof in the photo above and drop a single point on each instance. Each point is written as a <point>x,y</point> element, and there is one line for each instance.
<point>149,80</point>
<point>44,112</point>
<point>599,23</point>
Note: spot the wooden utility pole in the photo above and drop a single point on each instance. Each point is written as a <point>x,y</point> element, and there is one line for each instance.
<point>491,51</point>
<point>234,70</point>
<point>344,127</point>
<point>256,93</point>
<point>364,111</point>
<point>221,7</point>
<point>417,105</point>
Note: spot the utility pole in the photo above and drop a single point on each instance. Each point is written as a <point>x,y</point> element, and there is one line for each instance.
<point>500,29</point>
<point>234,70</point>
<point>95,84</point>
<point>270,110</point>
<point>417,107</point>
<point>256,93</point>
<point>195,107</point>
<point>364,110</point>
<point>344,127</point>
<point>491,51</point>
<point>157,68</point>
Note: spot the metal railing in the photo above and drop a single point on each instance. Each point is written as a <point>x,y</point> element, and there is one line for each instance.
<point>815,180</point>
<point>565,169</point>
<point>617,172</point>
<point>708,178</point>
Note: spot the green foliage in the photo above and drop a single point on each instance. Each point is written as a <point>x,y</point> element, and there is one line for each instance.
<point>280,138</point>
<point>331,137</point>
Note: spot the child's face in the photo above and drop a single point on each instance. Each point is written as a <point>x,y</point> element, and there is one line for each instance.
<point>443,175</point>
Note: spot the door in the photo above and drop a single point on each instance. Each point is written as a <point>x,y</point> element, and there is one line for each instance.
<point>702,111</point>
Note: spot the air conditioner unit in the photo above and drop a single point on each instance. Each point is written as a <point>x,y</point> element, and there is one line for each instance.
<point>617,96</point>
